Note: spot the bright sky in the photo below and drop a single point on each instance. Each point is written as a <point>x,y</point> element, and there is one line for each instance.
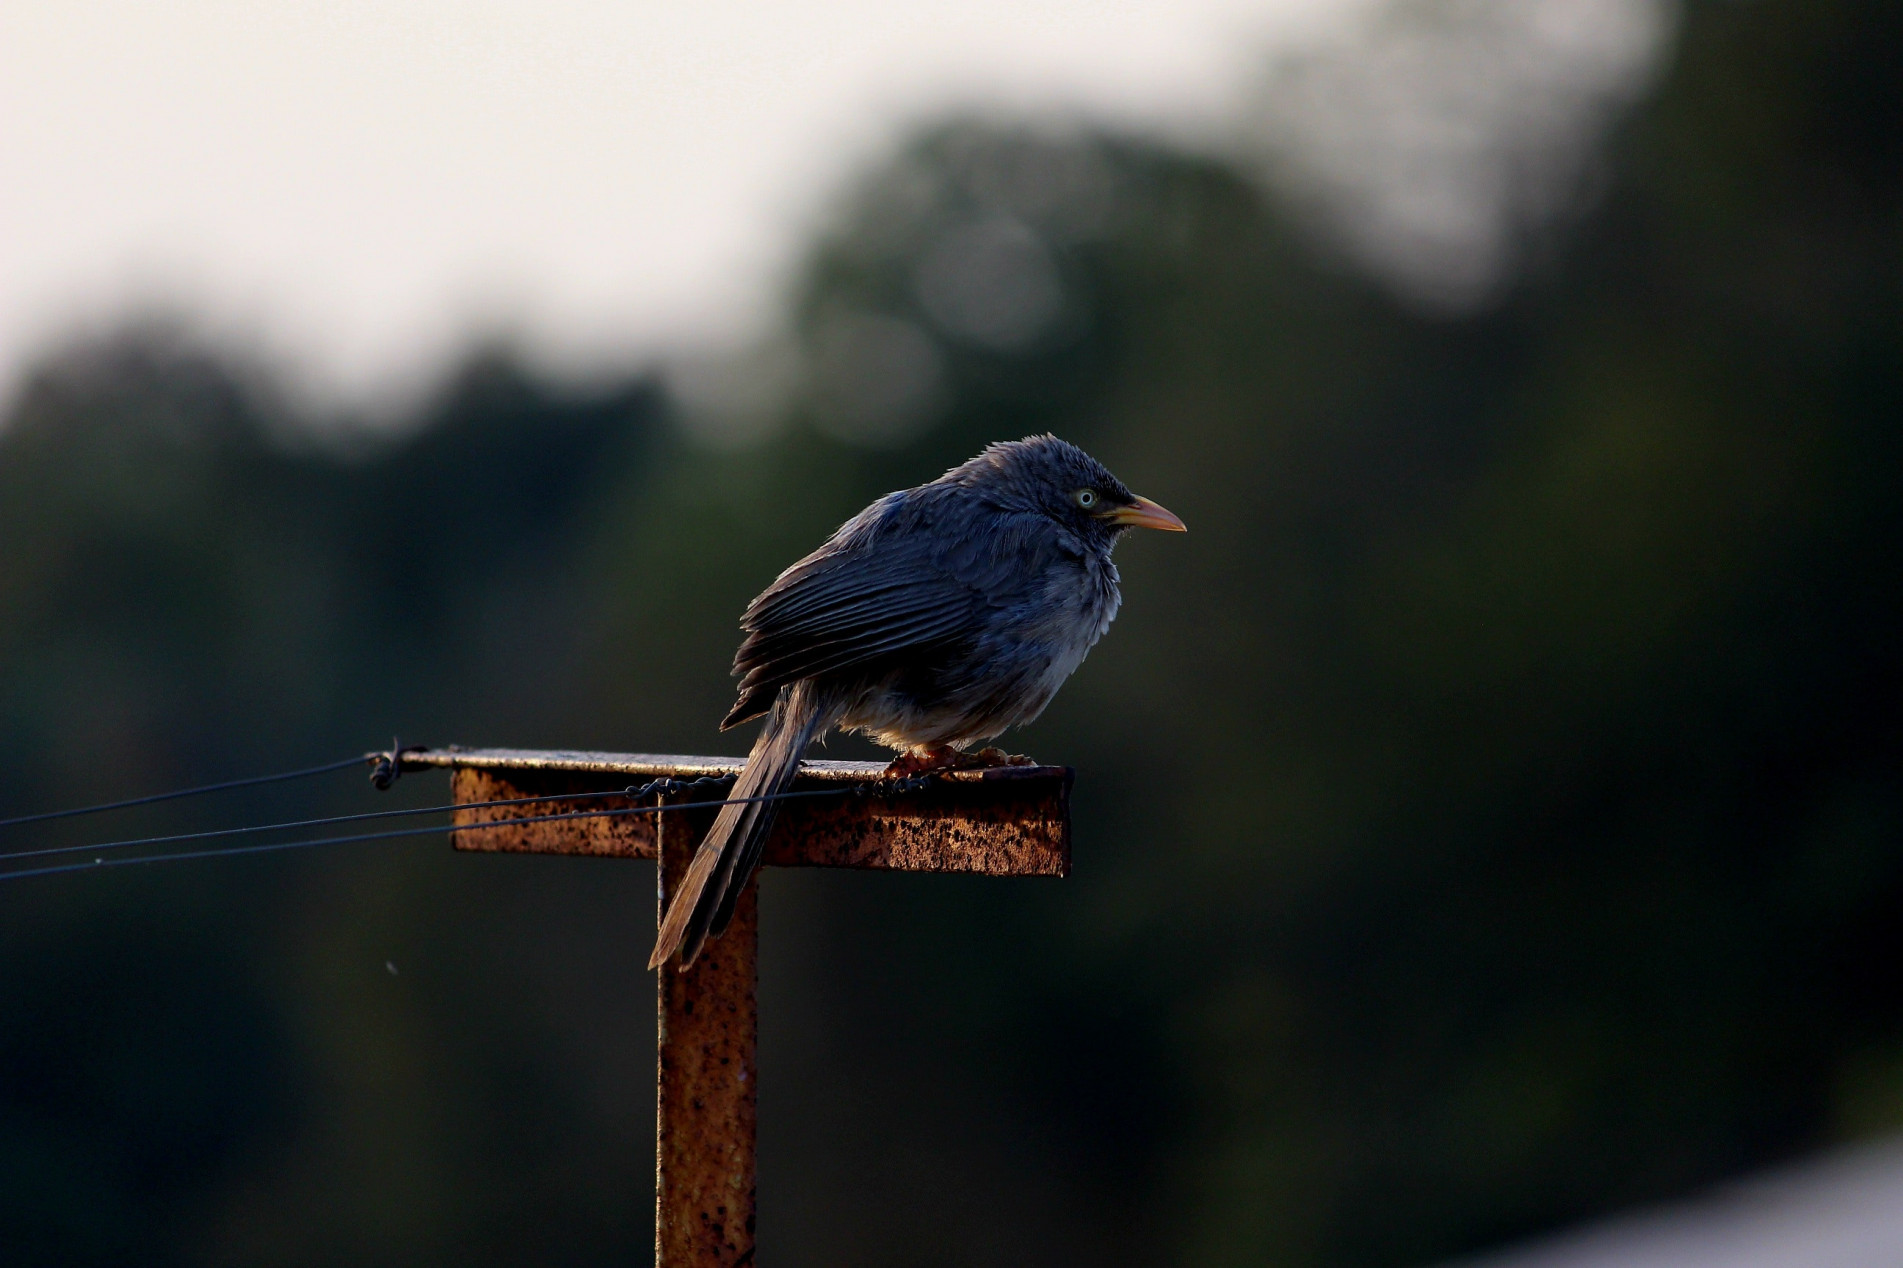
<point>359,186</point>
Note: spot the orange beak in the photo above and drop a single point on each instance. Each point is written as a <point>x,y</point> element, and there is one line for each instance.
<point>1144,513</point>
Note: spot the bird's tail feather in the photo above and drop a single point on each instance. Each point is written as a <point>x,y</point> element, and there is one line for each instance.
<point>703,903</point>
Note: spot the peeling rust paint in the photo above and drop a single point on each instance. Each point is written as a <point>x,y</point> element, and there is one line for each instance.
<point>618,836</point>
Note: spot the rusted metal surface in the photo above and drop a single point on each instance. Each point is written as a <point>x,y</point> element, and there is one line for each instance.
<point>1005,821</point>
<point>613,836</point>
<point>706,1085</point>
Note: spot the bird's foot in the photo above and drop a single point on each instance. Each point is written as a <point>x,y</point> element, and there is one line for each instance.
<point>944,757</point>
<point>919,761</point>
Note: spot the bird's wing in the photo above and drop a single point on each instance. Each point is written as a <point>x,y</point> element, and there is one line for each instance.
<point>908,572</point>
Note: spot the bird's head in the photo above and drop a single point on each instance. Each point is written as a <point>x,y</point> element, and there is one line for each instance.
<point>1056,477</point>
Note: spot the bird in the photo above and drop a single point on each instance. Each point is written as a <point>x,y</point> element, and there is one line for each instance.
<point>931,621</point>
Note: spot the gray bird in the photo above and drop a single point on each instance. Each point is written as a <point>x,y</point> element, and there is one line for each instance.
<point>931,621</point>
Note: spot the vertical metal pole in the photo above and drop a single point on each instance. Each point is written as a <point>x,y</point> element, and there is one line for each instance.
<point>705,1088</point>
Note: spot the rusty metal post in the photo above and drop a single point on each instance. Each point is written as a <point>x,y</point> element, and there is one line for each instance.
<point>706,1087</point>
<point>1004,821</point>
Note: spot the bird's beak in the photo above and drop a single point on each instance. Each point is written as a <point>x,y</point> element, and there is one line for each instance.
<point>1144,513</point>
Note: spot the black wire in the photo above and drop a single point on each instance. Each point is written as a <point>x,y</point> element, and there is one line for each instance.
<point>861,789</point>
<point>266,848</point>
<point>635,792</point>
<point>295,823</point>
<point>183,792</point>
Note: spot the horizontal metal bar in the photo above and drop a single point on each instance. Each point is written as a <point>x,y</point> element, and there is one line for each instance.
<point>655,765</point>
<point>1000,821</point>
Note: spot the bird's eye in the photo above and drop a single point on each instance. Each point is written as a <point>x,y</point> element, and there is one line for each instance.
<point>1086,498</point>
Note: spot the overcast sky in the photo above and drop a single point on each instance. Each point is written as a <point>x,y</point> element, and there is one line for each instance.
<point>357,187</point>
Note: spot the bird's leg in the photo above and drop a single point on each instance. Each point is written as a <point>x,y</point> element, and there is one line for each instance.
<point>918,761</point>
<point>945,757</point>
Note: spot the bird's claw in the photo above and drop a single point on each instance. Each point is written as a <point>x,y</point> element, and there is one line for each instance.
<point>906,765</point>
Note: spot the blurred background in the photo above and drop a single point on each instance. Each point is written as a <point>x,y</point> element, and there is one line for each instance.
<point>1487,816</point>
